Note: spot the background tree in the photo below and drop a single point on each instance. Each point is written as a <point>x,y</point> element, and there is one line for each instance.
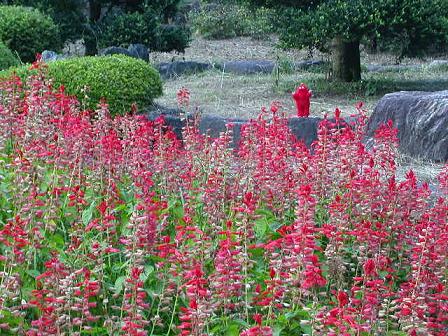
<point>67,14</point>
<point>87,18</point>
<point>150,10</point>
<point>406,27</point>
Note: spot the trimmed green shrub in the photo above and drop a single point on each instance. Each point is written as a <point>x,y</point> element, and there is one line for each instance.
<point>120,79</point>
<point>27,31</point>
<point>7,58</point>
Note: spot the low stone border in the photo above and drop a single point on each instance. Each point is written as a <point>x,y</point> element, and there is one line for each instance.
<point>304,129</point>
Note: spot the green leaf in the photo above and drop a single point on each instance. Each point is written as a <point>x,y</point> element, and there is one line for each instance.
<point>119,283</point>
<point>56,241</point>
<point>277,330</point>
<point>33,273</point>
<point>87,214</point>
<point>232,330</point>
<point>241,323</point>
<point>260,228</point>
<point>307,329</point>
<point>95,331</point>
<point>148,270</point>
<point>382,274</point>
<point>274,226</point>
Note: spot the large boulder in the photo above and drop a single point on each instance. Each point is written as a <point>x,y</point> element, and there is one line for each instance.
<point>140,51</point>
<point>50,56</point>
<point>175,69</point>
<point>421,119</point>
<point>248,67</point>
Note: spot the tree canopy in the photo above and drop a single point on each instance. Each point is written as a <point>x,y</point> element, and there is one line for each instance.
<point>405,27</point>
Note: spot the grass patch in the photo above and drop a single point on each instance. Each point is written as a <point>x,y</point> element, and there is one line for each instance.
<point>372,83</point>
<point>242,96</point>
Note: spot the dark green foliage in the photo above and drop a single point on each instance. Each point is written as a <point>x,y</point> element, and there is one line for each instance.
<point>422,26</point>
<point>136,21</point>
<point>122,29</point>
<point>167,8</point>
<point>27,31</point>
<point>173,37</point>
<point>221,21</point>
<point>407,27</point>
<point>291,21</point>
<point>121,80</point>
<point>7,58</point>
<point>67,14</point>
<point>226,20</point>
<point>284,3</point>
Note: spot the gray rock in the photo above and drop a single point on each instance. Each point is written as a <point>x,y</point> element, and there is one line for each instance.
<point>157,109</point>
<point>209,124</point>
<point>174,69</point>
<point>174,122</point>
<point>139,50</point>
<point>307,64</point>
<point>438,64</point>
<point>421,119</point>
<point>214,125</point>
<point>247,67</point>
<point>115,51</point>
<point>304,129</point>
<point>50,56</point>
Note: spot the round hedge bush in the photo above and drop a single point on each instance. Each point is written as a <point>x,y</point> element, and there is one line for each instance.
<point>7,58</point>
<point>120,79</point>
<point>28,31</point>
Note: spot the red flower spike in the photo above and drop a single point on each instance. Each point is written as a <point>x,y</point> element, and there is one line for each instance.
<point>337,114</point>
<point>342,299</point>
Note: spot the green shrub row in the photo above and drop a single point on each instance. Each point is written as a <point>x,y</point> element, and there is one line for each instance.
<point>120,79</point>
<point>27,31</point>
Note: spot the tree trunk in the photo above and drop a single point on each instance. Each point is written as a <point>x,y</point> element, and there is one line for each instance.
<point>89,36</point>
<point>346,60</point>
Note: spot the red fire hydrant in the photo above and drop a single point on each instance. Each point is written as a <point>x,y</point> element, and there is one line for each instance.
<point>302,98</point>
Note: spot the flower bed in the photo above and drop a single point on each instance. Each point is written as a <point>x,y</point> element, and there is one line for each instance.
<point>115,227</point>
